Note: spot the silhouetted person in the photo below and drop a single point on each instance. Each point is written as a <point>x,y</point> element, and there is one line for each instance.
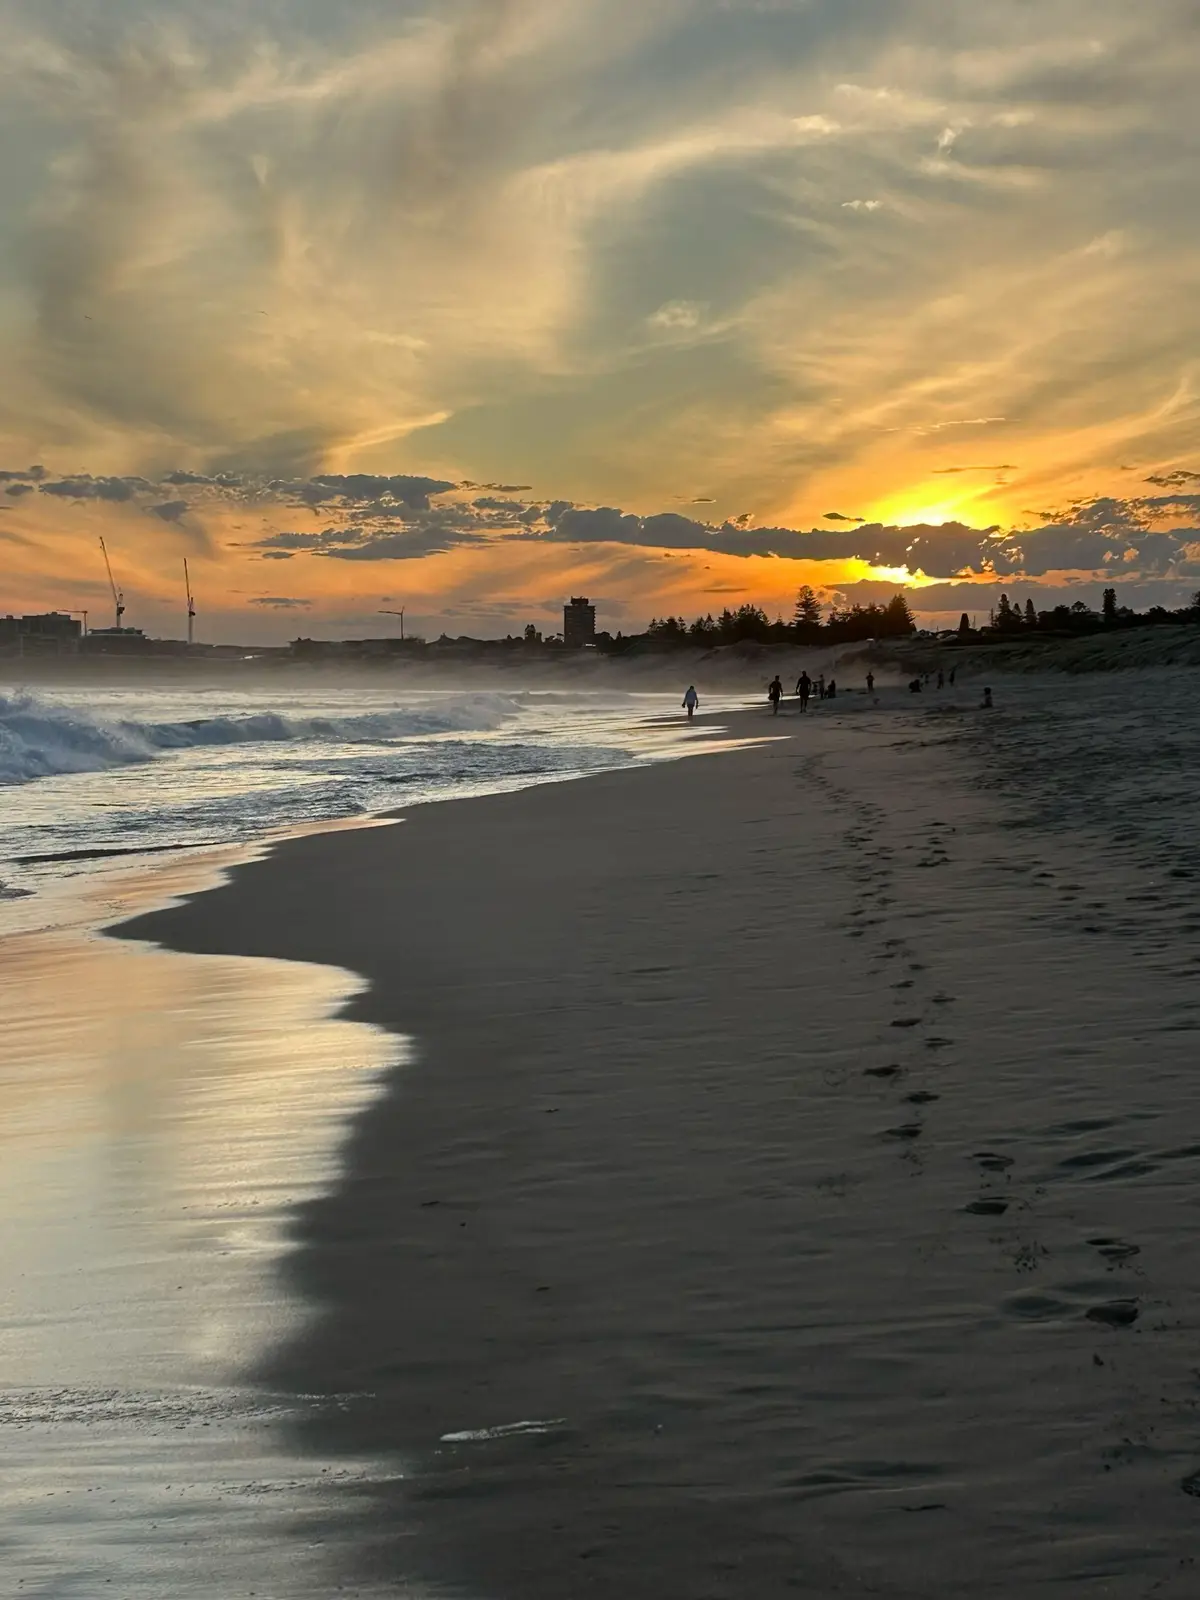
<point>870,683</point>
<point>915,686</point>
<point>804,688</point>
<point>690,701</point>
<point>821,687</point>
<point>941,679</point>
<point>831,689</point>
<point>953,674</point>
<point>775,695</point>
<point>987,700</point>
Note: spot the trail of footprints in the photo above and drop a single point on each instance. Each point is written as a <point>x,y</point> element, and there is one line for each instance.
<point>921,1031</point>
<point>1107,1294</point>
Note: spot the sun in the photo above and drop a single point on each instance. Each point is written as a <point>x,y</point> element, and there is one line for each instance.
<point>904,512</point>
<point>930,504</point>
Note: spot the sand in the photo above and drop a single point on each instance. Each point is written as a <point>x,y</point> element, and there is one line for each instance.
<point>791,1188</point>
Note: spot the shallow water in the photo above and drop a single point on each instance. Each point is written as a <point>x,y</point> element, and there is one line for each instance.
<point>160,1116</point>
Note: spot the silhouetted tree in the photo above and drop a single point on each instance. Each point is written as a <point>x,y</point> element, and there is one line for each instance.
<point>964,626</point>
<point>806,619</point>
<point>898,618</point>
<point>1108,607</point>
<point>1031,620</point>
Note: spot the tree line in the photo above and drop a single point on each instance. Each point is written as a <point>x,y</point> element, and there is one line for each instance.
<point>810,624</point>
<point>1010,618</point>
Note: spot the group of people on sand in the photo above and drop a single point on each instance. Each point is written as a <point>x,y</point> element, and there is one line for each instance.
<point>807,687</point>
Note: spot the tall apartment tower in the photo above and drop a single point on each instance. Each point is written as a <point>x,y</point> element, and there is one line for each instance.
<point>579,622</point>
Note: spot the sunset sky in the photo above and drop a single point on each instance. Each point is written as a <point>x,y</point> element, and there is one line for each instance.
<point>468,305</point>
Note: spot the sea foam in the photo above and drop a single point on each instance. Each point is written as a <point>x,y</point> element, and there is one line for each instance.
<point>42,738</point>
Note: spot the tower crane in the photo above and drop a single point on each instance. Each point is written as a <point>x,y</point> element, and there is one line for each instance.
<point>118,596</point>
<point>191,614</point>
<point>399,614</point>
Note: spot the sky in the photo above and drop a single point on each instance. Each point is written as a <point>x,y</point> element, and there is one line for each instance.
<point>467,306</point>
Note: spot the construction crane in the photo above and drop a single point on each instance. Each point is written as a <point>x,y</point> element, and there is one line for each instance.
<point>399,614</point>
<point>187,584</point>
<point>118,596</point>
<point>84,615</point>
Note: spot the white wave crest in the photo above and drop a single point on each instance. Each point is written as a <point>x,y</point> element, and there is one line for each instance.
<point>43,738</point>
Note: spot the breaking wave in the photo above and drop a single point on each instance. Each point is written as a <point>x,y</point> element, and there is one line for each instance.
<point>41,738</point>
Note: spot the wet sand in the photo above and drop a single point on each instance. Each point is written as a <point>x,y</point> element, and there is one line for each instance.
<point>791,1190</point>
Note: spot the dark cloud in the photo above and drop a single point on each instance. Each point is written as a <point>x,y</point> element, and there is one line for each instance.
<point>429,541</point>
<point>171,510</point>
<point>364,488</point>
<point>223,480</point>
<point>281,602</point>
<point>31,475</point>
<point>290,541</point>
<point>16,490</point>
<point>85,487</point>
<point>490,503</point>
<point>841,516</point>
<point>432,534</point>
<point>1108,536</point>
<point>1173,480</point>
<point>1004,466</point>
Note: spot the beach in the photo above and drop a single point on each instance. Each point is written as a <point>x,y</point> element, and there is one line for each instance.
<point>788,1186</point>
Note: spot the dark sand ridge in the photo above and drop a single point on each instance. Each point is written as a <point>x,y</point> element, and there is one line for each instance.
<point>776,1126</point>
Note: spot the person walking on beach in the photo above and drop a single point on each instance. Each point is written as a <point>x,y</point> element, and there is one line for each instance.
<point>804,690</point>
<point>953,675</point>
<point>690,701</point>
<point>775,695</point>
<point>821,687</point>
<point>941,679</point>
<point>870,683</point>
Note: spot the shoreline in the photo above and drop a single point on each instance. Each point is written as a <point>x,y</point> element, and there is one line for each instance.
<point>728,1168</point>
<point>147,1187</point>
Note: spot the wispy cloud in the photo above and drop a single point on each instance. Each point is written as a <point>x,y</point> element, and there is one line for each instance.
<point>786,251</point>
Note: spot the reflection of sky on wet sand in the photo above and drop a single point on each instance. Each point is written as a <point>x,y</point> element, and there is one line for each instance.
<point>160,1115</point>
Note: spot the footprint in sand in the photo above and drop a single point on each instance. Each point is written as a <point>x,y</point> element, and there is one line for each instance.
<point>923,1097</point>
<point>986,1207</point>
<point>1115,1251</point>
<point>1114,1313</point>
<point>891,1071</point>
<point>991,1162</point>
<point>906,1022</point>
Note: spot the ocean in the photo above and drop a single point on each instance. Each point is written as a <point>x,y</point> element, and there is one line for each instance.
<point>91,776</point>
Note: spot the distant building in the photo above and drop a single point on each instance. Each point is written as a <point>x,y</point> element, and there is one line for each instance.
<point>115,641</point>
<point>579,623</point>
<point>48,625</point>
<point>50,632</point>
